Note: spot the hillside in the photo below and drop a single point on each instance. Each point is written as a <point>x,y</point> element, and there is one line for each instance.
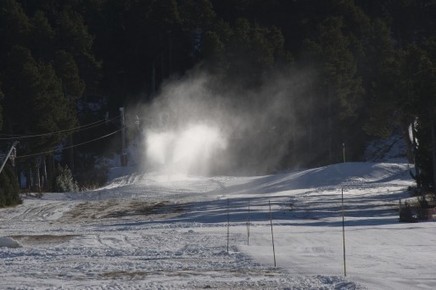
<point>170,232</point>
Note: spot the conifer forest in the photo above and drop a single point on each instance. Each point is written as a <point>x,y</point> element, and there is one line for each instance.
<point>346,72</point>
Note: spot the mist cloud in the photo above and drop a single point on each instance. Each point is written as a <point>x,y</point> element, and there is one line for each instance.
<point>203,124</point>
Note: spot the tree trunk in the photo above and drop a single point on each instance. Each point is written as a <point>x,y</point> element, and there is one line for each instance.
<point>37,173</point>
<point>50,172</point>
<point>44,173</point>
<point>330,124</point>
<point>71,153</point>
<point>29,178</point>
<point>433,149</point>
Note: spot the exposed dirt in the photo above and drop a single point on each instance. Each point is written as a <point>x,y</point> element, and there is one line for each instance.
<point>42,239</point>
<point>117,208</point>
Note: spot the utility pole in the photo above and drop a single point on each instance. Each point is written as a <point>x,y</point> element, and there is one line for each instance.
<point>12,153</point>
<point>123,139</point>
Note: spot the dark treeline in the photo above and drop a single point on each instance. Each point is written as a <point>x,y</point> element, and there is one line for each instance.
<point>65,64</point>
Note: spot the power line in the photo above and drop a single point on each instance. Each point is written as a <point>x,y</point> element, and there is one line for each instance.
<point>77,129</point>
<point>69,147</point>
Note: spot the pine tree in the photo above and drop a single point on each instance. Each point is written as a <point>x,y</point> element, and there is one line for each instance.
<point>41,39</point>
<point>381,73</point>
<point>419,103</point>
<point>9,188</point>
<point>64,180</point>
<point>33,90</point>
<point>339,88</point>
<point>68,71</point>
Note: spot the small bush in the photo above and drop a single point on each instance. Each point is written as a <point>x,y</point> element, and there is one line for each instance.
<point>64,180</point>
<point>407,214</point>
<point>422,208</point>
<point>93,178</point>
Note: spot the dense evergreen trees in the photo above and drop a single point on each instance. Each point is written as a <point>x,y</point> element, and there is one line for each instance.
<point>372,63</point>
<point>9,189</point>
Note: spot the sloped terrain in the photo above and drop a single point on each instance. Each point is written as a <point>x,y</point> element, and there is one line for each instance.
<point>151,231</point>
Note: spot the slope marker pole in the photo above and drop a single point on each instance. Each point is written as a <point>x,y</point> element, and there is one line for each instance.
<point>248,224</point>
<point>228,225</point>
<point>343,234</point>
<point>272,234</point>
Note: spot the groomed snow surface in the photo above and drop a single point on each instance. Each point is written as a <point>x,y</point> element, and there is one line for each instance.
<point>152,231</point>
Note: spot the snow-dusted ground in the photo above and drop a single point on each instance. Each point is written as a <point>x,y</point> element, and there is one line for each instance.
<point>153,231</point>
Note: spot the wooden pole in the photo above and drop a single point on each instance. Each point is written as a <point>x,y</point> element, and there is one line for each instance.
<point>272,234</point>
<point>343,234</point>
<point>228,226</point>
<point>248,224</point>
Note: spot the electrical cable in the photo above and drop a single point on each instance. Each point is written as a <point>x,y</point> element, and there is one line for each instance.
<point>84,127</point>
<point>76,129</point>
<point>69,147</point>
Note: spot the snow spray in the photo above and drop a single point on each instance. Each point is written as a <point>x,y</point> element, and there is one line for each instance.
<point>205,125</point>
<point>187,150</point>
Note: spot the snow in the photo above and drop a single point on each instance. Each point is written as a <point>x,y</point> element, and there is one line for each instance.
<point>153,231</point>
<point>8,242</point>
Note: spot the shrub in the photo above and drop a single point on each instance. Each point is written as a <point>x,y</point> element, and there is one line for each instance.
<point>93,178</point>
<point>406,214</point>
<point>64,180</point>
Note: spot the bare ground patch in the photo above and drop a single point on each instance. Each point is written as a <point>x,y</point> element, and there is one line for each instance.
<point>118,208</point>
<point>43,239</point>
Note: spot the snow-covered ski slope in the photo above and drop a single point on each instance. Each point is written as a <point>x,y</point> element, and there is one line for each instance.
<point>151,231</point>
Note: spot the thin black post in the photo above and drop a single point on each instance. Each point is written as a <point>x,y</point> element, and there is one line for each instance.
<point>228,226</point>
<point>343,234</point>
<point>272,234</point>
<point>248,224</point>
